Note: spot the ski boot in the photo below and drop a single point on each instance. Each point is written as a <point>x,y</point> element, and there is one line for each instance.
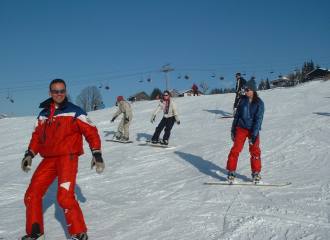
<point>124,139</point>
<point>163,142</point>
<point>231,177</point>
<point>39,236</point>
<point>256,177</point>
<point>80,236</point>
<point>116,138</point>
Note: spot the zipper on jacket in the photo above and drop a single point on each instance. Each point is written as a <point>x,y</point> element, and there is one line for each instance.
<point>58,124</point>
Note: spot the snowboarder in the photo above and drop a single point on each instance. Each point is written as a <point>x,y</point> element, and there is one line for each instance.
<point>239,90</point>
<point>195,89</point>
<point>57,137</point>
<point>169,118</point>
<point>124,108</point>
<point>247,124</point>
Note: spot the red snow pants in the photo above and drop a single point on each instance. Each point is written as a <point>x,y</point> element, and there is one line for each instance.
<point>65,168</point>
<point>241,135</point>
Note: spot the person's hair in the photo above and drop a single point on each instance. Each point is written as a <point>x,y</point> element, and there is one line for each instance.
<point>255,97</point>
<point>238,74</point>
<point>57,80</point>
<point>167,92</point>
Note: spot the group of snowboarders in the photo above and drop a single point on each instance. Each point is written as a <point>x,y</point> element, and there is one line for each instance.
<point>57,137</point>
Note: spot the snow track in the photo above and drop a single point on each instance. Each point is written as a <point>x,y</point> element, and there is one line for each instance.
<point>152,193</point>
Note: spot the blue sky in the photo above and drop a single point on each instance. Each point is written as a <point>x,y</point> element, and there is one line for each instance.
<point>117,43</point>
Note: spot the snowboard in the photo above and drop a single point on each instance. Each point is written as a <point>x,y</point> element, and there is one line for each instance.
<point>159,145</point>
<point>249,184</point>
<point>112,140</point>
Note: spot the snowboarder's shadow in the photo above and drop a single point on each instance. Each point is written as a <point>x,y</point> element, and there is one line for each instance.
<point>223,113</point>
<point>107,133</point>
<point>143,135</point>
<point>50,199</point>
<point>322,113</point>
<point>204,166</point>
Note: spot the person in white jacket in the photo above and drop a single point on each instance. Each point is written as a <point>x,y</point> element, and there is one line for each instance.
<point>169,118</point>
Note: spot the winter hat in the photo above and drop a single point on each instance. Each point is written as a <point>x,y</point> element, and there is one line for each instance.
<point>120,98</point>
<point>251,84</point>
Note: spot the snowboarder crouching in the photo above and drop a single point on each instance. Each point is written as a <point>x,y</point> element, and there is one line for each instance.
<point>123,127</point>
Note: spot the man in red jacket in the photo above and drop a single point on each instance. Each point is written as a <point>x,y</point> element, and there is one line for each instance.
<point>195,89</point>
<point>57,137</point>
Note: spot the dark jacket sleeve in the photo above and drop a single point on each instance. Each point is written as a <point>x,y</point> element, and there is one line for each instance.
<point>257,121</point>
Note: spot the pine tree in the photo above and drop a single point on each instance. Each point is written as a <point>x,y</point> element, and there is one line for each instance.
<point>267,84</point>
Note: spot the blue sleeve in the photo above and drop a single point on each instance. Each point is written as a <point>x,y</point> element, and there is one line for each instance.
<point>258,119</point>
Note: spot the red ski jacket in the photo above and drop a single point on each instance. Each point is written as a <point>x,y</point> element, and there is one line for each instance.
<point>58,132</point>
<point>194,87</point>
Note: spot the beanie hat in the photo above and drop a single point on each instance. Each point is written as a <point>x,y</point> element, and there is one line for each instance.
<point>251,84</point>
<point>120,98</point>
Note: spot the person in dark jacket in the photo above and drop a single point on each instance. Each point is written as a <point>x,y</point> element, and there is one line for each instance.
<point>247,124</point>
<point>239,90</point>
<point>195,89</point>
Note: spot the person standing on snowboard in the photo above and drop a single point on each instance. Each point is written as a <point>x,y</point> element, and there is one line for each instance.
<point>126,109</point>
<point>247,124</point>
<point>239,90</point>
<point>167,122</point>
<point>57,137</point>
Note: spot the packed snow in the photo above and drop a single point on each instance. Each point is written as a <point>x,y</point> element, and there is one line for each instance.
<point>154,193</point>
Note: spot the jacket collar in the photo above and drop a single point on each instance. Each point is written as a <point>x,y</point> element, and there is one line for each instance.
<point>46,104</point>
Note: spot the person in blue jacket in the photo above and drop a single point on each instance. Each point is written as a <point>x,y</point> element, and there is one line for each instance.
<point>247,124</point>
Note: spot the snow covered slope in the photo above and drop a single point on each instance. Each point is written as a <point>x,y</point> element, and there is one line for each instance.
<point>152,193</point>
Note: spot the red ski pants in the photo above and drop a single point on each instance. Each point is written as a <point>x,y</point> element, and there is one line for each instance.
<point>65,168</point>
<point>241,135</point>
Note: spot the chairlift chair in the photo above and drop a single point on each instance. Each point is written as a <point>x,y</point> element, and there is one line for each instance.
<point>179,76</point>
<point>244,73</point>
<point>186,76</point>
<point>149,79</point>
<point>107,86</point>
<point>213,75</point>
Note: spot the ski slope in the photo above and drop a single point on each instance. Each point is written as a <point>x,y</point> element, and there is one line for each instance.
<point>153,193</point>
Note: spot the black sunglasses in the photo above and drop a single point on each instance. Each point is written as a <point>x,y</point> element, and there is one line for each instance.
<point>57,91</point>
<point>246,89</point>
<point>165,94</point>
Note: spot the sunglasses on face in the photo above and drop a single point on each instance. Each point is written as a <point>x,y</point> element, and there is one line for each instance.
<point>58,91</point>
<point>165,95</point>
<point>246,90</point>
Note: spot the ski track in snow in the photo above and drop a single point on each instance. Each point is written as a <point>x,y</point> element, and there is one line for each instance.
<point>153,193</point>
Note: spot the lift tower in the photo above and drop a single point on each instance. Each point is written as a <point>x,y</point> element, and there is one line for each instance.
<point>166,69</point>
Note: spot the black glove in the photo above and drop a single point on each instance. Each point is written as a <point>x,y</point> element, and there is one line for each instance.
<point>126,120</point>
<point>177,120</point>
<point>178,123</point>
<point>97,160</point>
<point>113,119</point>
<point>27,160</point>
<point>233,136</point>
<point>253,140</point>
